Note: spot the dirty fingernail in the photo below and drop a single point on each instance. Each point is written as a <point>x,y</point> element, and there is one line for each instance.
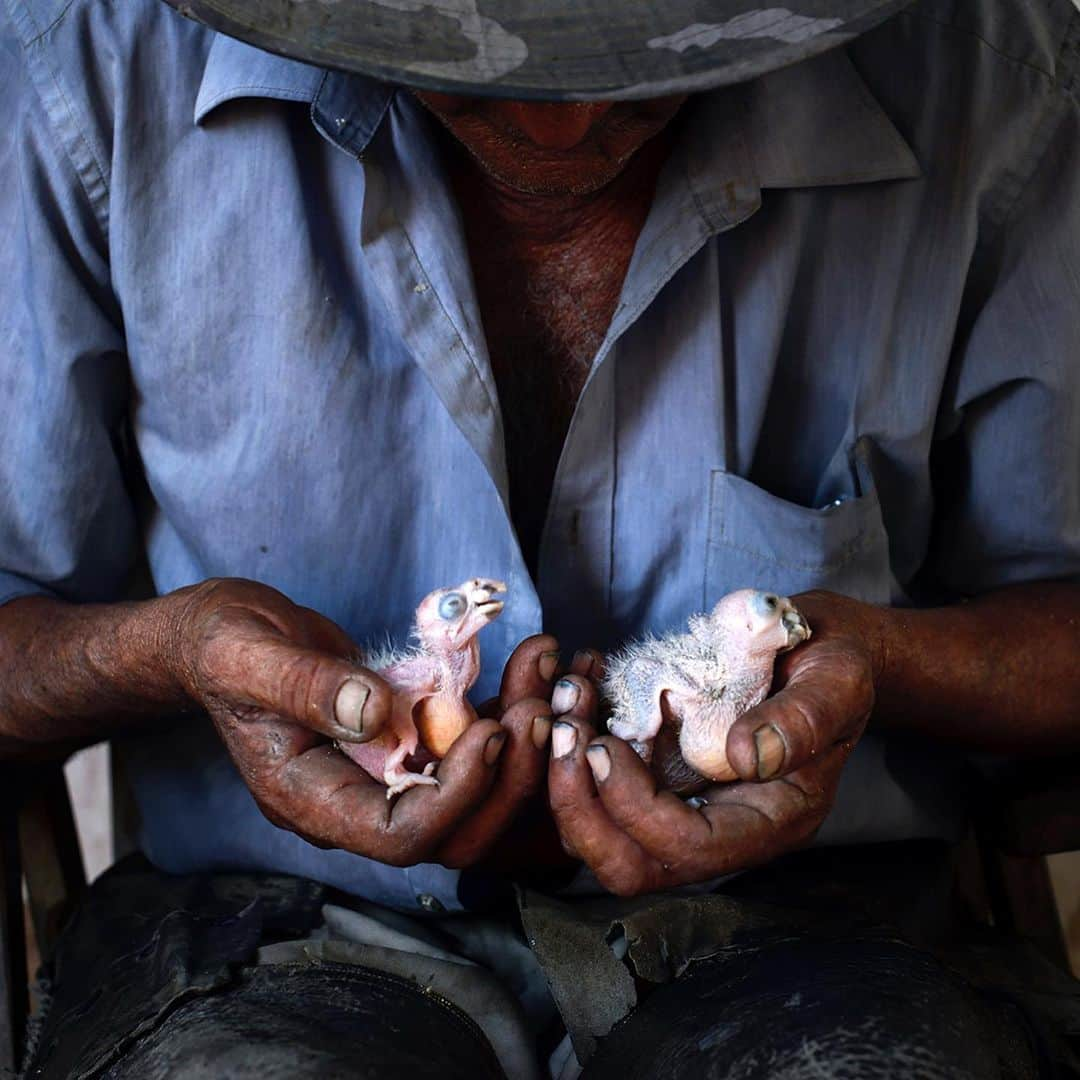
<point>563,739</point>
<point>599,761</point>
<point>770,751</point>
<point>493,747</point>
<point>583,662</point>
<point>548,664</point>
<point>349,705</point>
<point>541,731</point>
<point>565,697</point>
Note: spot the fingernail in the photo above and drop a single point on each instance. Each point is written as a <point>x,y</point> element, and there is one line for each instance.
<point>541,731</point>
<point>697,802</point>
<point>563,739</point>
<point>493,747</point>
<point>549,662</point>
<point>599,761</point>
<point>770,751</point>
<point>583,662</point>
<point>565,697</point>
<point>349,705</point>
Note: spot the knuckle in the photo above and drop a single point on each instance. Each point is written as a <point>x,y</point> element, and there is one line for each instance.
<point>622,881</point>
<point>298,685</point>
<point>403,845</point>
<point>459,856</point>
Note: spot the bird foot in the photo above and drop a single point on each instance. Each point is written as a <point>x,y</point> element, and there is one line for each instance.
<point>396,783</point>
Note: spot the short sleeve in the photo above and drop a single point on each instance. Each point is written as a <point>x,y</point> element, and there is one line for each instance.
<point>1008,491</point>
<point>66,522</point>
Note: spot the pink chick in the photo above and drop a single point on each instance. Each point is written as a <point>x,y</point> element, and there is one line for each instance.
<point>702,682</point>
<point>430,682</point>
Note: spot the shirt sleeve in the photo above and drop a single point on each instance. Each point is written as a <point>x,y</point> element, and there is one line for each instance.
<point>66,522</point>
<point>1008,493</point>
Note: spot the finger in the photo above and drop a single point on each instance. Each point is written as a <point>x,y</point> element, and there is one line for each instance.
<point>729,827</point>
<point>759,822</point>
<point>586,829</point>
<point>329,800</point>
<point>326,635</point>
<point>466,777</point>
<point>520,775</point>
<point>658,821</point>
<point>530,671</point>
<point>250,666</point>
<point>589,664</point>
<point>827,699</point>
<point>575,698</point>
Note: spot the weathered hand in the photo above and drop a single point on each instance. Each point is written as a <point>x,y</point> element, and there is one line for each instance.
<point>281,684</point>
<point>789,752</point>
<point>524,713</point>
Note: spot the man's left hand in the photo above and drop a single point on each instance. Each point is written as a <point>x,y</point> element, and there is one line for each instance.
<point>789,752</point>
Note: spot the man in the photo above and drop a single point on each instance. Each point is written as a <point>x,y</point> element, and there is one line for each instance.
<point>626,356</point>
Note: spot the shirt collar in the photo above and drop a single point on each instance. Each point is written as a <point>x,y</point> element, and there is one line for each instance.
<point>813,124</point>
<point>347,109</point>
<point>817,123</point>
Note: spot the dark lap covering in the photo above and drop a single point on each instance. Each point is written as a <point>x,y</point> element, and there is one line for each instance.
<point>161,976</point>
<point>155,977</point>
<point>806,1010</point>
<point>282,1023</point>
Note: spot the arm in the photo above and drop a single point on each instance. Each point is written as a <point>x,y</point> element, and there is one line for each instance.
<point>1000,673</point>
<point>72,672</point>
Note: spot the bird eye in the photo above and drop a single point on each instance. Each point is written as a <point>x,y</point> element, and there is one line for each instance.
<point>452,605</point>
<point>766,604</point>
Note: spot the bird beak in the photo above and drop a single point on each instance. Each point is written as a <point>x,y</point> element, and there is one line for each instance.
<point>485,597</point>
<point>798,630</point>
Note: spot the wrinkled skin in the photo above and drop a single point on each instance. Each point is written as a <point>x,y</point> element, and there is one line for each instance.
<point>787,754</point>
<point>429,685</point>
<point>270,675</point>
<point>698,684</point>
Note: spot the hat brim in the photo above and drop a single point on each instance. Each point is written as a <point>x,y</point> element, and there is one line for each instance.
<point>552,50</point>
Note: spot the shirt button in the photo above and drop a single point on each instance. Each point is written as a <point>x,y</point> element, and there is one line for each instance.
<point>430,904</point>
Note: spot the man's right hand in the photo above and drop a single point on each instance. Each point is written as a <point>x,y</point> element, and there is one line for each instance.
<point>282,684</point>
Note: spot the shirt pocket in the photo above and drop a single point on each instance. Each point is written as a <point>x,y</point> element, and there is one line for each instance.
<point>757,540</point>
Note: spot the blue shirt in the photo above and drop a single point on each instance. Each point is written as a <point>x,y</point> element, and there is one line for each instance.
<point>845,356</point>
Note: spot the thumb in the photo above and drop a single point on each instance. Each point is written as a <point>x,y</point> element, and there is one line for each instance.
<point>317,690</point>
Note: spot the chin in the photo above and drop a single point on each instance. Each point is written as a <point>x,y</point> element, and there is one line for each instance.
<point>552,178</point>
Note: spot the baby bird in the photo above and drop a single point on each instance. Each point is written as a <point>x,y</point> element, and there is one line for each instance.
<point>430,682</point>
<point>703,681</point>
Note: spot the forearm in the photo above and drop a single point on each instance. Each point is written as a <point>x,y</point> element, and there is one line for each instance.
<point>999,673</point>
<point>76,671</point>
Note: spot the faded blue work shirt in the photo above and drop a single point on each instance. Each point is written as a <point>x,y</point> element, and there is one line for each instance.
<point>845,356</point>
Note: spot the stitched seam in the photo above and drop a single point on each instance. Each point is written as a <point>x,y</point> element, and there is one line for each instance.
<point>1068,57</point>
<point>964,32</point>
<point>1044,133</point>
<point>101,215</point>
<point>41,33</point>
<point>239,91</point>
<point>40,71</point>
<point>473,362</point>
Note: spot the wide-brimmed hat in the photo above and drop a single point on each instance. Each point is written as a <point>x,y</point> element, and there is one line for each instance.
<point>556,50</point>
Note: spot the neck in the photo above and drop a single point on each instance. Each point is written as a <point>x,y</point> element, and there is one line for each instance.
<point>550,221</point>
<point>459,669</point>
